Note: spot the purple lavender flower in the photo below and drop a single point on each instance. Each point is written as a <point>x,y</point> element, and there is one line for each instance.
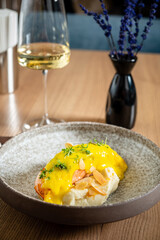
<point>146,30</point>
<point>99,19</point>
<point>129,28</point>
<point>137,17</point>
<point>126,32</point>
<point>103,22</point>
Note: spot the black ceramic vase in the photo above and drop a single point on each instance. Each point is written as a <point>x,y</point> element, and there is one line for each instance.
<point>121,105</point>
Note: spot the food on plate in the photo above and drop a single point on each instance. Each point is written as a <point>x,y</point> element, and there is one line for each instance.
<point>81,175</point>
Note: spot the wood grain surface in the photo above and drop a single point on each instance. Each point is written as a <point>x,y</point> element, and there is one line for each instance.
<point>78,93</point>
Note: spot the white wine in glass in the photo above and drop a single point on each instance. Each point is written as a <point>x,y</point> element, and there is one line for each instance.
<point>43,43</point>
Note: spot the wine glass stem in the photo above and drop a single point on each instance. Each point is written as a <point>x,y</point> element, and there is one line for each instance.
<point>45,75</point>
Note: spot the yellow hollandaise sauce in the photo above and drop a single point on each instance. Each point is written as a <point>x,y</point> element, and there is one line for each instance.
<point>58,173</point>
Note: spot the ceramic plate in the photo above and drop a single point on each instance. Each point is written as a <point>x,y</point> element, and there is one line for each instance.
<point>23,156</point>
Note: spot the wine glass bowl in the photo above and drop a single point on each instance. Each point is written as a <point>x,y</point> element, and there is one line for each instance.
<point>43,42</point>
<point>43,56</point>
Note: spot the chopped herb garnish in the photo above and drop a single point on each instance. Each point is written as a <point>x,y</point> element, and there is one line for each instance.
<point>43,173</point>
<point>88,152</point>
<point>76,159</point>
<point>68,151</point>
<point>84,149</point>
<point>51,170</point>
<point>102,143</point>
<point>60,165</point>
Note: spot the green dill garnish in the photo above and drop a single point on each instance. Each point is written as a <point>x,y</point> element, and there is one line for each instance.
<point>48,178</point>
<point>68,151</point>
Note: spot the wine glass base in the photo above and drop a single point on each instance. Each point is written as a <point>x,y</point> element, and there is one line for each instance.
<point>39,123</point>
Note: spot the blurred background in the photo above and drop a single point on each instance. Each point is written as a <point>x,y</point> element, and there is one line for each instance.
<point>72,6</point>
<point>86,34</point>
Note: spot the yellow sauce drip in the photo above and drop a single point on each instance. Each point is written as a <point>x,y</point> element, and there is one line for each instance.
<point>60,169</point>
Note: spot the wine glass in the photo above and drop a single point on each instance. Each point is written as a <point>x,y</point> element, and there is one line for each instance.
<point>43,43</point>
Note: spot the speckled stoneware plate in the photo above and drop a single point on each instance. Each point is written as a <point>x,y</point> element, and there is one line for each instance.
<point>23,156</point>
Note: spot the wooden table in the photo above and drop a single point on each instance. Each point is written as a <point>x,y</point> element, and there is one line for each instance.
<point>78,92</point>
